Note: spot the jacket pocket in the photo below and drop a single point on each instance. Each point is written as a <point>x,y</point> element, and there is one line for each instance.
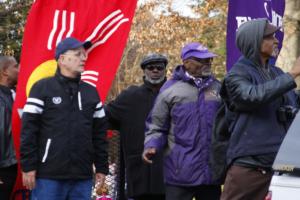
<point>46,150</point>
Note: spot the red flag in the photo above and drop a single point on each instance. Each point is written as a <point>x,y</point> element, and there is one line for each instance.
<point>105,23</point>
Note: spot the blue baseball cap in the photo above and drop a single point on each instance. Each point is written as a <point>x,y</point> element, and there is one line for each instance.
<point>196,50</point>
<point>68,44</point>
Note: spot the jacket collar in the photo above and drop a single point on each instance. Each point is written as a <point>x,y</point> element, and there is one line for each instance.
<point>65,79</point>
<point>201,83</point>
<point>5,89</point>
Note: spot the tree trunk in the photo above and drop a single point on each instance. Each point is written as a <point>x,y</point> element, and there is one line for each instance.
<point>291,43</point>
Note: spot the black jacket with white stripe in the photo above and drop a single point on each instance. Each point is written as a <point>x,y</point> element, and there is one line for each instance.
<point>63,130</point>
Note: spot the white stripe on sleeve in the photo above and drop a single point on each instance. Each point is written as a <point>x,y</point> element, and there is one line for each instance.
<point>32,109</point>
<point>35,100</point>
<point>99,113</point>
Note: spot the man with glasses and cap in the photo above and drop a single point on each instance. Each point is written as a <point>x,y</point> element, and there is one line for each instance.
<point>258,96</point>
<point>64,131</point>
<point>128,113</point>
<point>180,124</point>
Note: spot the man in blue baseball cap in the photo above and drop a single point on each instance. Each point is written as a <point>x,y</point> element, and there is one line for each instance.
<point>70,43</point>
<point>180,123</point>
<point>64,131</point>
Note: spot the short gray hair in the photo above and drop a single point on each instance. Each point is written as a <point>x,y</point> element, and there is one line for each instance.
<point>4,60</point>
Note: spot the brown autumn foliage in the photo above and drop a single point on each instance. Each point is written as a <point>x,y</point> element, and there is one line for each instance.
<point>164,34</point>
<point>161,33</point>
<point>167,34</point>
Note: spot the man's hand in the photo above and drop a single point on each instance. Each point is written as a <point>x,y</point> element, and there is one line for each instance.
<point>1,182</point>
<point>295,71</point>
<point>148,154</point>
<point>29,179</point>
<point>99,178</point>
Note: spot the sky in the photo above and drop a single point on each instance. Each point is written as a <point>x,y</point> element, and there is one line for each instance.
<point>183,7</point>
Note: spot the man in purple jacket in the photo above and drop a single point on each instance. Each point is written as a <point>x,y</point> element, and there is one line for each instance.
<point>180,123</point>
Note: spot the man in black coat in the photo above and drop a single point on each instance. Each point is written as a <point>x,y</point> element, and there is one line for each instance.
<point>128,113</point>
<point>9,69</point>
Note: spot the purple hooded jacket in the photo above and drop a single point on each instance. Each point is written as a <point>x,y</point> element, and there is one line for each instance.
<point>180,123</point>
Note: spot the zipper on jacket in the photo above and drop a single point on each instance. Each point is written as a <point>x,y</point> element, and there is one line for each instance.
<point>46,150</point>
<point>79,101</point>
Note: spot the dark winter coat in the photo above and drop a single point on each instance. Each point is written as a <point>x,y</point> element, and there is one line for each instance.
<point>180,123</point>
<point>253,94</point>
<point>63,130</point>
<point>128,113</point>
<point>7,152</point>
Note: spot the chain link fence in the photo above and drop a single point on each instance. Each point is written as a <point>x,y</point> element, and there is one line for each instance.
<point>114,184</point>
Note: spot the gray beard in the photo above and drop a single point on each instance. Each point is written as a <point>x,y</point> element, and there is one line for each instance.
<point>156,81</point>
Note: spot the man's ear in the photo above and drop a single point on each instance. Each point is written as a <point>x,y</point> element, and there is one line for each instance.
<point>186,61</point>
<point>3,71</point>
<point>60,59</point>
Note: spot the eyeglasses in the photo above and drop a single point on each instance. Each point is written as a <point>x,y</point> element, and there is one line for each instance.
<point>152,67</point>
<point>204,61</point>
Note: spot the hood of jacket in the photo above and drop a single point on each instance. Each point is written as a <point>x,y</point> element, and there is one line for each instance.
<point>179,74</point>
<point>249,38</point>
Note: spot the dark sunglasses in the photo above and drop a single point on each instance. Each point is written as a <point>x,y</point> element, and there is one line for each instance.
<point>205,61</point>
<point>270,36</point>
<point>152,67</point>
